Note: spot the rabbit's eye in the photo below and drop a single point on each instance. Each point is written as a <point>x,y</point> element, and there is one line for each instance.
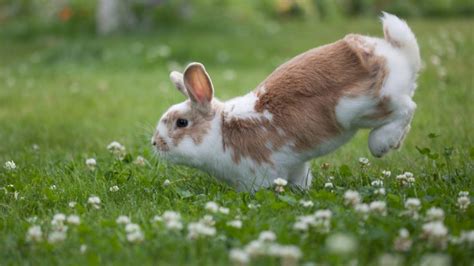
<point>181,122</point>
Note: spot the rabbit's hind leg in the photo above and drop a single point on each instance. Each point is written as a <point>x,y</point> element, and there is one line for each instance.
<point>391,134</point>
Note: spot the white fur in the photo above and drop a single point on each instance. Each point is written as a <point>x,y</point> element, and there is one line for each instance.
<point>351,113</point>
<point>243,108</point>
<point>403,64</point>
<point>401,33</point>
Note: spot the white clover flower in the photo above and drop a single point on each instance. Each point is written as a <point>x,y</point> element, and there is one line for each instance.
<point>114,145</point>
<point>91,164</point>
<point>267,236</point>
<point>32,219</point>
<point>175,225</point>
<point>140,161</point>
<point>436,234</point>
<point>380,191</point>
<point>200,229</point>
<point>280,183</point>
<point>404,233</point>
<point>362,209</point>
<point>56,237</point>
<point>464,202</point>
<point>289,254</point>
<point>408,174</point>
<point>435,259</point>
<point>34,234</point>
<point>463,193</point>
<point>117,149</point>
<point>166,183</point>
<point>320,220</point>
<point>58,220</point>
<point>328,185</point>
<point>323,214</point>
<point>340,243</point>
<point>94,201</point>
<point>157,218</point>
<point>35,147</point>
<point>123,219</point>
<point>235,223</point>
<point>224,210</point>
<point>239,257</point>
<point>135,236</point>
<point>306,203</point>
<point>401,178</point>
<point>171,215</point>
<point>253,206</point>
<point>59,217</point>
<point>413,204</point>
<point>207,220</point>
<point>9,165</point>
<point>211,206</point>
<point>83,248</point>
<point>377,183</point>
<point>403,242</point>
<point>72,204</point>
<point>364,161</point>
<point>379,207</point>
<point>386,173</point>
<point>131,227</point>
<point>256,248</point>
<point>467,237</point>
<point>301,224</point>
<point>435,214</point>
<point>53,187</point>
<point>73,219</point>
<point>351,198</point>
<point>172,220</point>
<point>114,188</point>
<point>410,178</point>
<point>406,179</point>
<point>388,259</point>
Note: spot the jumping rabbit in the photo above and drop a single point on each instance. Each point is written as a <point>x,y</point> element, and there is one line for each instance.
<point>307,107</point>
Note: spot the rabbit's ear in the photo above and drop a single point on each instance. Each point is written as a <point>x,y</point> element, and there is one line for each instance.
<point>199,85</point>
<point>177,79</point>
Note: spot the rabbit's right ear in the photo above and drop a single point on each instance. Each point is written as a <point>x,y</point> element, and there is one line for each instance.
<point>177,79</point>
<point>199,86</point>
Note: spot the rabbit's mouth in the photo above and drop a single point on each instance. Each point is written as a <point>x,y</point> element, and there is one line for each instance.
<point>160,144</point>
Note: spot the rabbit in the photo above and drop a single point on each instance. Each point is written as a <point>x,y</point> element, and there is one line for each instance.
<point>306,108</point>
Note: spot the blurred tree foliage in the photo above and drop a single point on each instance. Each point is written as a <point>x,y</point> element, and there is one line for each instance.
<point>84,15</point>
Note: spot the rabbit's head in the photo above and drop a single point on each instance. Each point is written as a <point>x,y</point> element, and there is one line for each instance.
<point>184,130</point>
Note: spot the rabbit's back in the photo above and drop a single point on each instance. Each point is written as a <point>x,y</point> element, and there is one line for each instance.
<point>302,93</point>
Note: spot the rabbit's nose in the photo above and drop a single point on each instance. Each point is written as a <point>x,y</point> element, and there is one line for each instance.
<point>154,143</point>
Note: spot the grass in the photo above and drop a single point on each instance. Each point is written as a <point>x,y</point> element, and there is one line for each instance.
<point>72,95</point>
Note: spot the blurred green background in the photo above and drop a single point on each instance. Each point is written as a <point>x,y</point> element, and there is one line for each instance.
<point>107,16</point>
<point>76,75</point>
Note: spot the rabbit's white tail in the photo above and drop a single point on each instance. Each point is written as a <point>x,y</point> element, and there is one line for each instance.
<point>400,36</point>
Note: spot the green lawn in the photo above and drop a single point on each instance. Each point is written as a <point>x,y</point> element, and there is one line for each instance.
<point>71,96</point>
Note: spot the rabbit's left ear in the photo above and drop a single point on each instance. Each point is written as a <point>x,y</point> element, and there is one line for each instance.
<point>177,79</point>
<point>198,85</point>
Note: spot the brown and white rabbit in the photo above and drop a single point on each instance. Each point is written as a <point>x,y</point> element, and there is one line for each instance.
<point>306,108</point>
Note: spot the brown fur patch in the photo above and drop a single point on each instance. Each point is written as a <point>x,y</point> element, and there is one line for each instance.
<point>199,125</point>
<point>302,95</point>
<point>250,137</point>
<point>161,144</point>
